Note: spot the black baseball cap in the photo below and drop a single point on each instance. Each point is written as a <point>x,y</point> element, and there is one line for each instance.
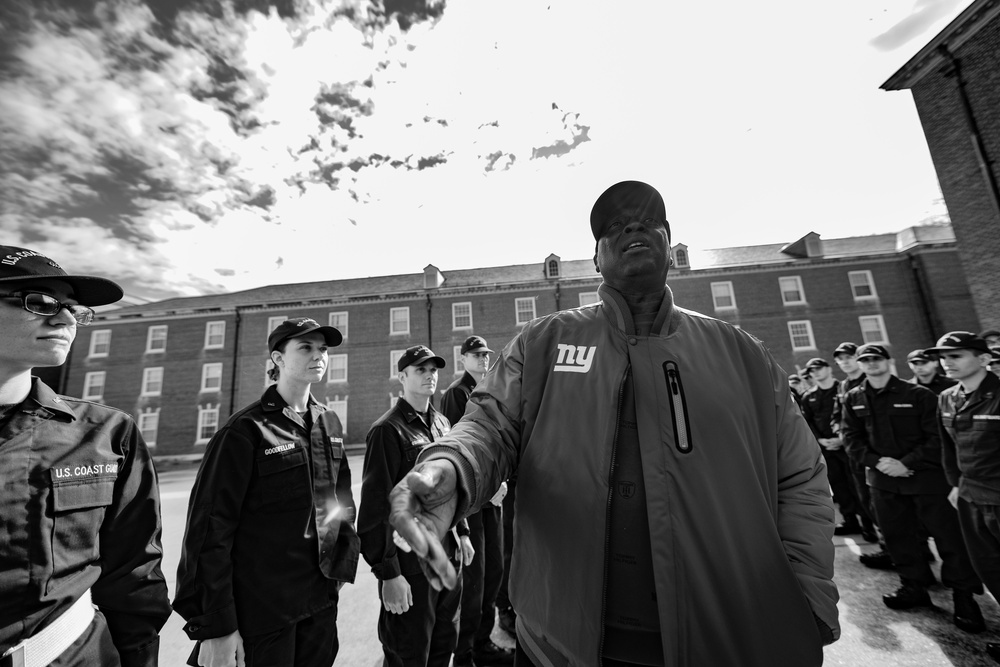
<point>300,326</point>
<point>794,378</point>
<point>418,354</point>
<point>960,340</point>
<point>988,333</point>
<point>817,362</point>
<point>20,265</point>
<point>845,348</point>
<point>918,356</point>
<point>627,194</point>
<point>475,344</point>
<point>873,350</point>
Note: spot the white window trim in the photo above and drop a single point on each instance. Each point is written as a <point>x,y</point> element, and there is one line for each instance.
<point>798,286</point>
<point>341,414</point>
<point>588,298</point>
<point>204,376</point>
<point>208,335</point>
<point>146,372</point>
<point>517,310</point>
<point>87,396</point>
<point>871,284</point>
<point>204,410</point>
<point>143,416</point>
<point>456,352</point>
<point>341,328</point>
<point>881,325</point>
<point>93,340</point>
<point>454,316</point>
<point>392,312</point>
<point>681,262</point>
<point>394,356</point>
<point>732,295</point>
<point>791,337</point>
<point>149,339</point>
<point>329,369</point>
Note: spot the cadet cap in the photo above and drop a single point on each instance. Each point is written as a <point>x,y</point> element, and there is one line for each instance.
<point>959,340</point>
<point>918,356</point>
<point>817,362</point>
<point>416,355</point>
<point>300,326</point>
<point>873,350</point>
<point>20,265</point>
<point>475,344</point>
<point>845,348</point>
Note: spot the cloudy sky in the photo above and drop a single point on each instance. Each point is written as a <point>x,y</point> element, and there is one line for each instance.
<point>184,150</point>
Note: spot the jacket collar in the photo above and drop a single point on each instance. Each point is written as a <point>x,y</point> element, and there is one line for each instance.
<point>893,385</point>
<point>272,401</point>
<point>410,413</point>
<point>616,310</point>
<point>986,389</point>
<point>49,400</point>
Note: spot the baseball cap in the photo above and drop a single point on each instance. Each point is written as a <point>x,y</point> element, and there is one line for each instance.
<point>20,265</point>
<point>873,350</point>
<point>627,194</point>
<point>794,378</point>
<point>845,348</point>
<point>474,343</point>
<point>300,326</point>
<point>959,340</point>
<point>995,351</point>
<point>817,362</point>
<point>918,356</point>
<point>988,333</point>
<point>418,354</point>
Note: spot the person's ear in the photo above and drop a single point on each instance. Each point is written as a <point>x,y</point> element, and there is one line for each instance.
<point>276,357</point>
<point>596,267</point>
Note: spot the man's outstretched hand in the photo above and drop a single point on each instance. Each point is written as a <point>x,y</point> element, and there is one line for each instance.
<point>422,510</point>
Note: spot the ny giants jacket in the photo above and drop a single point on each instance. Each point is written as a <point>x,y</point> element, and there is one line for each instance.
<point>740,515</point>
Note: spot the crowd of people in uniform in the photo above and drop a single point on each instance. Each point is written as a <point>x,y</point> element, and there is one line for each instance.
<point>673,506</point>
<point>911,460</point>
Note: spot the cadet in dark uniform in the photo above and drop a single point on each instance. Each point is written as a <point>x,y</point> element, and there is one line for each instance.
<point>417,624</point>
<point>79,503</point>
<point>270,537</point>
<point>481,578</point>
<point>891,427</point>
<point>926,372</point>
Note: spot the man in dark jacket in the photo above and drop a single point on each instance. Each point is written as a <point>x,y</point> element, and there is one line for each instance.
<point>672,505</point>
<point>926,371</point>
<point>969,421</point>
<point>79,502</point>
<point>890,427</point>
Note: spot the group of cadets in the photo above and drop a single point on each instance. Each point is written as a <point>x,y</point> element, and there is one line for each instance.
<point>908,460</point>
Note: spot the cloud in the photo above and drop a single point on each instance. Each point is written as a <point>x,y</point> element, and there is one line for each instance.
<point>925,14</point>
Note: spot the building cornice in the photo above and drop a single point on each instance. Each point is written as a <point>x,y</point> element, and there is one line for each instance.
<point>956,33</point>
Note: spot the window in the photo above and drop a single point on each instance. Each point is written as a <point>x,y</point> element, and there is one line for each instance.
<point>587,298</point>
<point>208,423</point>
<point>93,386</point>
<point>801,335</point>
<point>873,329</point>
<point>524,310</point>
<point>553,268</point>
<point>273,322</point>
<point>399,320</point>
<point>152,381</point>
<point>211,377</point>
<point>862,284</point>
<point>791,290</point>
<point>100,343</point>
<point>394,356</point>
<point>149,423</point>
<point>682,259</point>
<point>456,352</point>
<point>339,406</point>
<point>338,321</point>
<point>723,297</point>
<point>156,338</point>
<point>215,335</point>
<point>337,371</point>
<point>393,398</point>
<point>461,315</point>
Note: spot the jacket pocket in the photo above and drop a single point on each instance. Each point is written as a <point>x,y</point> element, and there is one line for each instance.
<point>78,508</point>
<point>282,482</point>
<point>678,407</point>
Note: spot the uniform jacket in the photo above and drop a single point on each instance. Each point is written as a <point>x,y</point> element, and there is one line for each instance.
<point>394,441</point>
<point>937,384</point>
<point>970,441</point>
<point>817,408</point>
<point>913,439</point>
<point>80,509</point>
<point>741,520</point>
<point>251,555</point>
<point>456,397</point>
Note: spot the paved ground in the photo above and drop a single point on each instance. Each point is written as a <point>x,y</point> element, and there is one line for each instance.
<point>872,634</point>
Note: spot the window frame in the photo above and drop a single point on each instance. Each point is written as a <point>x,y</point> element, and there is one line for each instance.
<point>394,356</point>
<point>149,413</point>
<point>144,387</point>
<point>87,382</point>
<point>880,320</point>
<point>455,326</point>
<point>149,338</point>
<point>869,282</point>
<point>94,335</point>
<point>208,335</point>
<point>809,331</point>
<point>203,412</point>
<point>392,321</point>
<point>342,416</point>
<point>342,329</point>
<point>732,295</point>
<point>517,311</point>
<point>583,300</point>
<point>329,368</point>
<point>798,286</point>
<point>205,376</point>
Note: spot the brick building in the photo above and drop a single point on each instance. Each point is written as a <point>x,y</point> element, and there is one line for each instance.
<point>182,366</point>
<point>955,82</point>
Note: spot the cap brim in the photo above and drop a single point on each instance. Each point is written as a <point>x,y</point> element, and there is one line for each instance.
<point>438,361</point>
<point>87,290</point>
<point>332,335</point>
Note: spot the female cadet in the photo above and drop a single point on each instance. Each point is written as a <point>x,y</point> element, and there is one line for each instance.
<point>270,536</point>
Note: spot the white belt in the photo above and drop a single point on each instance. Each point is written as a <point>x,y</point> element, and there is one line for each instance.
<point>53,639</point>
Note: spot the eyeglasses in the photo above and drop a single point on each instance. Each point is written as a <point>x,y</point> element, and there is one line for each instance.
<point>43,304</point>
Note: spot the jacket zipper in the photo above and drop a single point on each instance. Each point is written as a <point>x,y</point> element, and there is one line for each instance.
<point>607,517</point>
<point>682,432</point>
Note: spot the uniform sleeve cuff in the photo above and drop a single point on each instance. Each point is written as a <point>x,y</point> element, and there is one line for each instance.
<point>387,569</point>
<point>209,626</point>
<point>465,478</point>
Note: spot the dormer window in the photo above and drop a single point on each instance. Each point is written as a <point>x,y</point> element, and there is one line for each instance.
<point>680,256</point>
<point>551,267</point>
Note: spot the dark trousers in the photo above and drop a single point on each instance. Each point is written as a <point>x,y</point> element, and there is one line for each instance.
<point>312,642</point>
<point>481,578</point>
<point>981,531</point>
<point>845,493</point>
<point>900,516</point>
<point>427,632</point>
<point>503,595</point>
<point>93,647</point>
